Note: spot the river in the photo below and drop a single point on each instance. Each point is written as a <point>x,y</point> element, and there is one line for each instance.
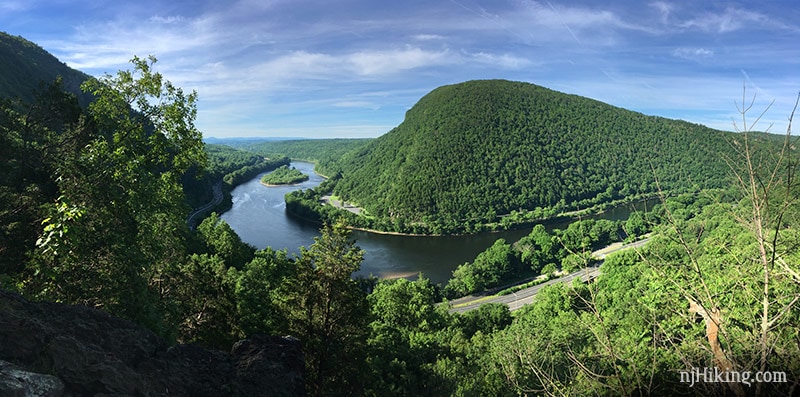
<point>259,217</point>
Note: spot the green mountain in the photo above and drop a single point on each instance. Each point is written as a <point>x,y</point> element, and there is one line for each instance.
<point>476,151</point>
<point>26,66</point>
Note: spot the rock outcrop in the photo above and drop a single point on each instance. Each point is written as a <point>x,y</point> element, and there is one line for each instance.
<point>50,349</point>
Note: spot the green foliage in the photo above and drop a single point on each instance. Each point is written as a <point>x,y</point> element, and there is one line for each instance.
<point>487,319</point>
<point>32,144</point>
<point>537,253</point>
<point>497,153</point>
<point>119,219</point>
<point>537,249</point>
<point>329,312</point>
<point>247,173</point>
<point>205,301</point>
<point>497,263</point>
<point>284,175</point>
<point>632,331</point>
<point>636,225</point>
<point>221,240</point>
<point>25,66</point>
<point>223,160</point>
<point>418,348</point>
<point>262,293</point>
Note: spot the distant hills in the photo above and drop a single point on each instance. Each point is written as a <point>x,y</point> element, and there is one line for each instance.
<point>480,151</point>
<point>25,66</point>
<point>326,153</point>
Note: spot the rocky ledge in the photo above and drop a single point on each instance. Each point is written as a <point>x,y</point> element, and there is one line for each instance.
<point>50,349</point>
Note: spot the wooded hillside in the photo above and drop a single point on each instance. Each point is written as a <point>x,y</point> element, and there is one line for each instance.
<point>25,65</point>
<point>474,151</point>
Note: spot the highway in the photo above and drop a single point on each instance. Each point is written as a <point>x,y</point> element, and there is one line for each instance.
<point>217,190</point>
<point>523,297</point>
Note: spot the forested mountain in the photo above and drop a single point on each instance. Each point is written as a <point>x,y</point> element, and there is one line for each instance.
<point>474,151</point>
<point>25,66</point>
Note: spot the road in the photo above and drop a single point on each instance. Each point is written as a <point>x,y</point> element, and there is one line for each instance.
<point>523,297</point>
<point>602,253</point>
<point>217,189</point>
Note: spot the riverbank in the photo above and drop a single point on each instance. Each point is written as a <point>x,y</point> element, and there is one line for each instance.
<point>568,216</point>
<point>280,184</point>
<point>284,175</point>
<point>322,205</point>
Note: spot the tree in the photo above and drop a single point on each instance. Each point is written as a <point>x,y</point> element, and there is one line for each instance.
<point>33,139</point>
<point>261,293</point>
<point>537,249</point>
<point>330,312</point>
<point>487,270</point>
<point>205,299</point>
<point>120,218</point>
<point>222,240</point>
<point>403,343</point>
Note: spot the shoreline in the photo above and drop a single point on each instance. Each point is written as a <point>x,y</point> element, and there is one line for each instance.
<point>281,184</point>
<point>564,216</point>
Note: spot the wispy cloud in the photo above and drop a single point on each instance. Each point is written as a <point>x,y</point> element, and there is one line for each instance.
<point>283,65</point>
<point>371,63</point>
<point>664,9</point>
<point>428,37</point>
<point>503,61</point>
<point>12,5</point>
<point>731,19</point>
<point>693,53</point>
<point>112,43</point>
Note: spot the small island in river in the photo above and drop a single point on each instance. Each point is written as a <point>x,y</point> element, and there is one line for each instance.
<point>284,176</point>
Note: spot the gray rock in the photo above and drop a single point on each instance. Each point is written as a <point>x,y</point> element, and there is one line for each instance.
<point>15,382</point>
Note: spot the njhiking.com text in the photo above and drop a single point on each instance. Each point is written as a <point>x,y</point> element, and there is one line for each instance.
<point>715,375</point>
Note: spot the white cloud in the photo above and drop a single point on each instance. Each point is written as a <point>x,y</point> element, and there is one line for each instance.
<point>504,61</point>
<point>693,53</point>
<point>110,44</point>
<point>730,20</point>
<point>166,20</point>
<point>576,19</point>
<point>665,9</point>
<point>381,62</point>
<point>428,37</point>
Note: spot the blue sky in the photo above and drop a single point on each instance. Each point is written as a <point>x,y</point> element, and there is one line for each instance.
<point>310,68</point>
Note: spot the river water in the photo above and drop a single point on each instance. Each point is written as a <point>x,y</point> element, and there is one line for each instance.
<point>259,217</point>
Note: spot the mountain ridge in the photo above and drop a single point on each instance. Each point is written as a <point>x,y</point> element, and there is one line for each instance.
<point>481,150</point>
<point>26,66</point>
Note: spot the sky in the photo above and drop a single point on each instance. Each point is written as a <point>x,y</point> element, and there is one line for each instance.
<point>342,68</point>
